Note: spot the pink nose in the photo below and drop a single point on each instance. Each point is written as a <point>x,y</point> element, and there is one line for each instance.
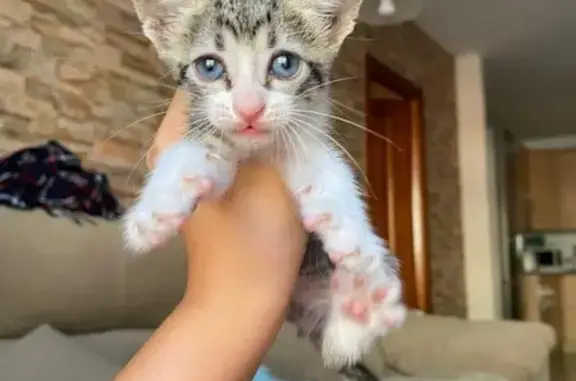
<point>249,111</point>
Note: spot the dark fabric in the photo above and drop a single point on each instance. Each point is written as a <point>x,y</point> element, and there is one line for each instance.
<point>51,177</point>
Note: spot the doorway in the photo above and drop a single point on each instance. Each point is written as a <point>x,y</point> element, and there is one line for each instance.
<point>395,169</point>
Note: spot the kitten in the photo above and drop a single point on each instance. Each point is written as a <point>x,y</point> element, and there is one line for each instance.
<point>258,74</point>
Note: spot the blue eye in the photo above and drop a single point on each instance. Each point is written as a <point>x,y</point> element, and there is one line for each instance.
<point>209,68</point>
<point>285,65</point>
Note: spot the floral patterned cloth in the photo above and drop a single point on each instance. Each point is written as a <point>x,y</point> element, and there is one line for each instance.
<point>51,177</point>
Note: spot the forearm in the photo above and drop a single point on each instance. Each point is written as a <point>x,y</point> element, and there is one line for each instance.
<point>242,268</point>
<point>233,308</point>
<point>211,340</point>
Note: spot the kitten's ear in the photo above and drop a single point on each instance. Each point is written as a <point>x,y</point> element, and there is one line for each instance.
<point>168,24</point>
<point>341,16</point>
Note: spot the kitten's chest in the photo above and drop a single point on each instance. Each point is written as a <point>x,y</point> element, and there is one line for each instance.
<point>230,149</point>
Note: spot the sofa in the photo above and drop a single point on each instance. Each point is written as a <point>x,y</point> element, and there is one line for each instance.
<point>76,281</point>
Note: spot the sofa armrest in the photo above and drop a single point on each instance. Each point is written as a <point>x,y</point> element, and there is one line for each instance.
<point>447,346</point>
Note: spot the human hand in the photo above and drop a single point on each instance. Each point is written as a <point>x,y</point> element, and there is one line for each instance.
<point>250,239</point>
<point>244,253</point>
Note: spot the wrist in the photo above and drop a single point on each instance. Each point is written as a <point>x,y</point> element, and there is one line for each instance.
<point>246,322</point>
<point>266,299</point>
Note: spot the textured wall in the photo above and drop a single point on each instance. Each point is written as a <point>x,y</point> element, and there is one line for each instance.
<point>413,55</point>
<point>80,72</point>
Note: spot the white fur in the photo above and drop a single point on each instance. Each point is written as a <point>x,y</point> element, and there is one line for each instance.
<point>329,186</point>
<point>297,139</point>
<point>330,189</point>
<point>171,193</point>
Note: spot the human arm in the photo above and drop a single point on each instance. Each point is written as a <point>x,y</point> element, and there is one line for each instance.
<point>244,252</point>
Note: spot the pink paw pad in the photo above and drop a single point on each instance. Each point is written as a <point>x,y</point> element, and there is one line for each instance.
<point>379,295</point>
<point>357,310</point>
<point>172,219</point>
<point>200,185</point>
<point>210,156</point>
<point>305,191</point>
<point>312,224</point>
<point>390,322</point>
<point>359,296</point>
<point>338,258</point>
<point>156,241</point>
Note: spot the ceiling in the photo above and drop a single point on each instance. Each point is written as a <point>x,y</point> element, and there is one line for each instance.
<point>530,57</point>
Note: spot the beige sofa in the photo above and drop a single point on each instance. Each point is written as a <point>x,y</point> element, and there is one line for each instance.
<point>79,279</point>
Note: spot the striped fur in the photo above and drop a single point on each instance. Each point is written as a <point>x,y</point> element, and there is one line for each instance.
<point>245,34</point>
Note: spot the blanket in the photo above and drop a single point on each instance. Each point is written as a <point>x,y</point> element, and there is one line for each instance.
<point>51,177</point>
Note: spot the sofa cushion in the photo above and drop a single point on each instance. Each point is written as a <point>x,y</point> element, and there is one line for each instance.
<point>80,278</point>
<point>447,346</point>
<point>47,355</point>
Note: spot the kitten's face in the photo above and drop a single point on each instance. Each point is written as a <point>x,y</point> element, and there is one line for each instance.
<point>258,69</point>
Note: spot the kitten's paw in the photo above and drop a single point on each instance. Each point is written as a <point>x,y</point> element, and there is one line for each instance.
<point>161,210</point>
<point>186,171</point>
<point>366,304</point>
<point>347,241</point>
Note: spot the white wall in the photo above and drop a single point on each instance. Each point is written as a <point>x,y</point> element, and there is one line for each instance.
<point>477,185</point>
<point>556,142</point>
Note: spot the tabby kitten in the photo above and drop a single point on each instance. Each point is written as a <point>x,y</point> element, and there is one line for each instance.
<point>258,74</point>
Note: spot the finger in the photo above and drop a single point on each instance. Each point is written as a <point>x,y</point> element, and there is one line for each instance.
<point>172,128</point>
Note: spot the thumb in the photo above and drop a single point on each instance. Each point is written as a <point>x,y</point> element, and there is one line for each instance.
<point>172,129</point>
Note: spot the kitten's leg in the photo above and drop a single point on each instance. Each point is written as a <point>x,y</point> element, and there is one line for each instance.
<point>365,291</point>
<point>184,172</point>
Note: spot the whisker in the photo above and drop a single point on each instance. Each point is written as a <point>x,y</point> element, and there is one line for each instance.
<point>159,84</point>
<point>146,108</point>
<point>362,39</point>
<point>300,139</point>
<point>340,147</point>
<point>131,32</point>
<point>328,83</point>
<point>289,132</point>
<point>197,130</point>
<point>166,75</point>
<point>276,136</point>
<point>157,101</point>
<point>333,101</point>
<point>284,142</point>
<point>307,113</point>
<point>133,124</point>
<point>140,160</point>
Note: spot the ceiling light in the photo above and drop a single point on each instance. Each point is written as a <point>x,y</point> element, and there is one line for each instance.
<point>386,8</point>
<point>390,12</point>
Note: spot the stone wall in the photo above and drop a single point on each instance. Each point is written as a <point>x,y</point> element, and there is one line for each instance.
<point>80,71</point>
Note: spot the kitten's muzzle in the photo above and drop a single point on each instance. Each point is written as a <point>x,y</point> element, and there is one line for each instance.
<point>249,108</point>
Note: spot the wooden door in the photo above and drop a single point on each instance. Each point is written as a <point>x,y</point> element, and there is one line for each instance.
<point>395,194</point>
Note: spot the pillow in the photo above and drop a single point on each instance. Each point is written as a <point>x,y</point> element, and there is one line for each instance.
<point>47,355</point>
<point>117,346</point>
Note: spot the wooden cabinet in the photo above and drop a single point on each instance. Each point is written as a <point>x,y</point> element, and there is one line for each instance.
<point>569,311</point>
<point>548,299</point>
<point>543,206</point>
<point>551,299</point>
<point>566,164</point>
<point>543,300</point>
<point>546,184</point>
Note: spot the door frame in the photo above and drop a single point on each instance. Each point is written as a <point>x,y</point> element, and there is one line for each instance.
<point>408,92</point>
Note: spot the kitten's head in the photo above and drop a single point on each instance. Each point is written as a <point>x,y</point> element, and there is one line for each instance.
<point>254,67</point>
